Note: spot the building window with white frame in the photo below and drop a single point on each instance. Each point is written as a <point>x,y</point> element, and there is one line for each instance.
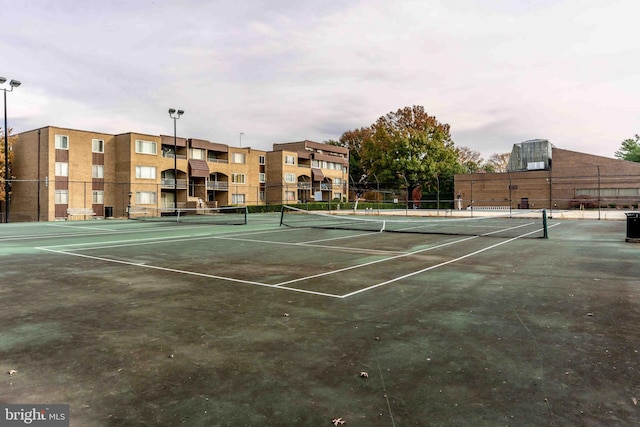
<point>146,147</point>
<point>98,197</point>
<point>97,171</point>
<point>145,198</point>
<point>337,181</point>
<point>237,199</point>
<point>238,178</point>
<point>289,160</point>
<point>262,196</point>
<point>290,196</point>
<point>97,146</point>
<point>62,142</point>
<point>262,177</point>
<point>289,177</point>
<point>238,158</point>
<point>62,169</point>
<point>261,160</point>
<point>62,197</point>
<point>146,172</point>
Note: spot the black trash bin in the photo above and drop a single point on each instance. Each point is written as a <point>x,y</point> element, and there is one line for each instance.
<point>108,211</point>
<point>633,227</point>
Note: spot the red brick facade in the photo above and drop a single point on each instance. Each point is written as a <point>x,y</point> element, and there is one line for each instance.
<point>573,179</point>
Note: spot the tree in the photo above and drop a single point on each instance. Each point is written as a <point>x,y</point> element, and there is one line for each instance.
<point>2,164</point>
<point>497,162</point>
<point>354,141</point>
<point>470,160</point>
<point>411,148</point>
<point>629,149</point>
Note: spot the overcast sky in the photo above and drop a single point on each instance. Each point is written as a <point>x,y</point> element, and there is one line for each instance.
<point>498,72</point>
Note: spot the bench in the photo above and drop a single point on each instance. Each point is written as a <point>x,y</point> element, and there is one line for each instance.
<point>80,213</point>
<point>488,208</point>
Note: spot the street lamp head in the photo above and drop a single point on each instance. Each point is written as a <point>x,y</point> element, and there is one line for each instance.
<point>172,110</point>
<point>180,112</point>
<point>2,80</point>
<point>14,83</point>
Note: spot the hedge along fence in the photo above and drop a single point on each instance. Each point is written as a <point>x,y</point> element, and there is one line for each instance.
<point>326,206</point>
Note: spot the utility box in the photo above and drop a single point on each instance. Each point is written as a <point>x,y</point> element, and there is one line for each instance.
<point>633,227</point>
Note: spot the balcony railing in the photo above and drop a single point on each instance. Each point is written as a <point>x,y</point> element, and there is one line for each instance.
<point>171,156</point>
<point>212,160</point>
<point>170,183</point>
<point>304,186</point>
<point>217,185</point>
<point>325,186</point>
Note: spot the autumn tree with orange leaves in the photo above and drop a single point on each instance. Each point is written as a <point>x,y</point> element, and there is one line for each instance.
<point>2,164</point>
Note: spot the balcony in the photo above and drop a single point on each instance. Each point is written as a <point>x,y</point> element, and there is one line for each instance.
<point>304,186</point>
<point>325,186</point>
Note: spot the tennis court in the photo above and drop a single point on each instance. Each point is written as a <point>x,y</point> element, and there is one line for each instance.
<point>159,323</point>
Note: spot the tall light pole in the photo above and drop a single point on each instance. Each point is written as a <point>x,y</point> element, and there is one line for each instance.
<point>7,176</point>
<point>175,115</point>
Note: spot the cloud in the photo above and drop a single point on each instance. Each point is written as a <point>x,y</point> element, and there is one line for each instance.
<point>498,72</point>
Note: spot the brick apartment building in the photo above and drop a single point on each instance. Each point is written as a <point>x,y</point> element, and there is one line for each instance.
<point>307,171</point>
<point>60,170</point>
<point>540,175</point>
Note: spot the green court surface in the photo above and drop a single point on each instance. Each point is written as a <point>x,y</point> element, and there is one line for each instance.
<point>136,323</point>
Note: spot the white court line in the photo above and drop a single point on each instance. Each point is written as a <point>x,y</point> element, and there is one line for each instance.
<point>191,273</point>
<point>105,232</point>
<point>405,254</point>
<point>280,285</point>
<point>311,245</point>
<point>437,265</point>
<point>79,227</point>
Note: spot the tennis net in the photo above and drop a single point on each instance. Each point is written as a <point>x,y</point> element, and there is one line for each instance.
<point>234,215</point>
<point>532,224</point>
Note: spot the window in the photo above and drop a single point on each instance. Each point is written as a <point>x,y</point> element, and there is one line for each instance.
<point>197,153</point>
<point>237,199</point>
<point>337,196</point>
<point>62,197</point>
<point>146,147</point>
<point>290,195</point>
<point>623,192</point>
<point>289,177</point>
<point>290,160</point>
<point>262,196</point>
<point>97,171</point>
<point>315,163</point>
<point>145,198</point>
<point>62,142</point>
<point>98,197</point>
<point>238,157</point>
<point>261,160</point>
<point>62,169</point>
<point>337,181</point>
<point>146,172</point>
<point>97,146</point>
<point>238,178</point>
<point>261,177</point>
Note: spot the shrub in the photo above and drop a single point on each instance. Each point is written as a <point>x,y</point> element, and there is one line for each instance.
<point>586,202</point>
